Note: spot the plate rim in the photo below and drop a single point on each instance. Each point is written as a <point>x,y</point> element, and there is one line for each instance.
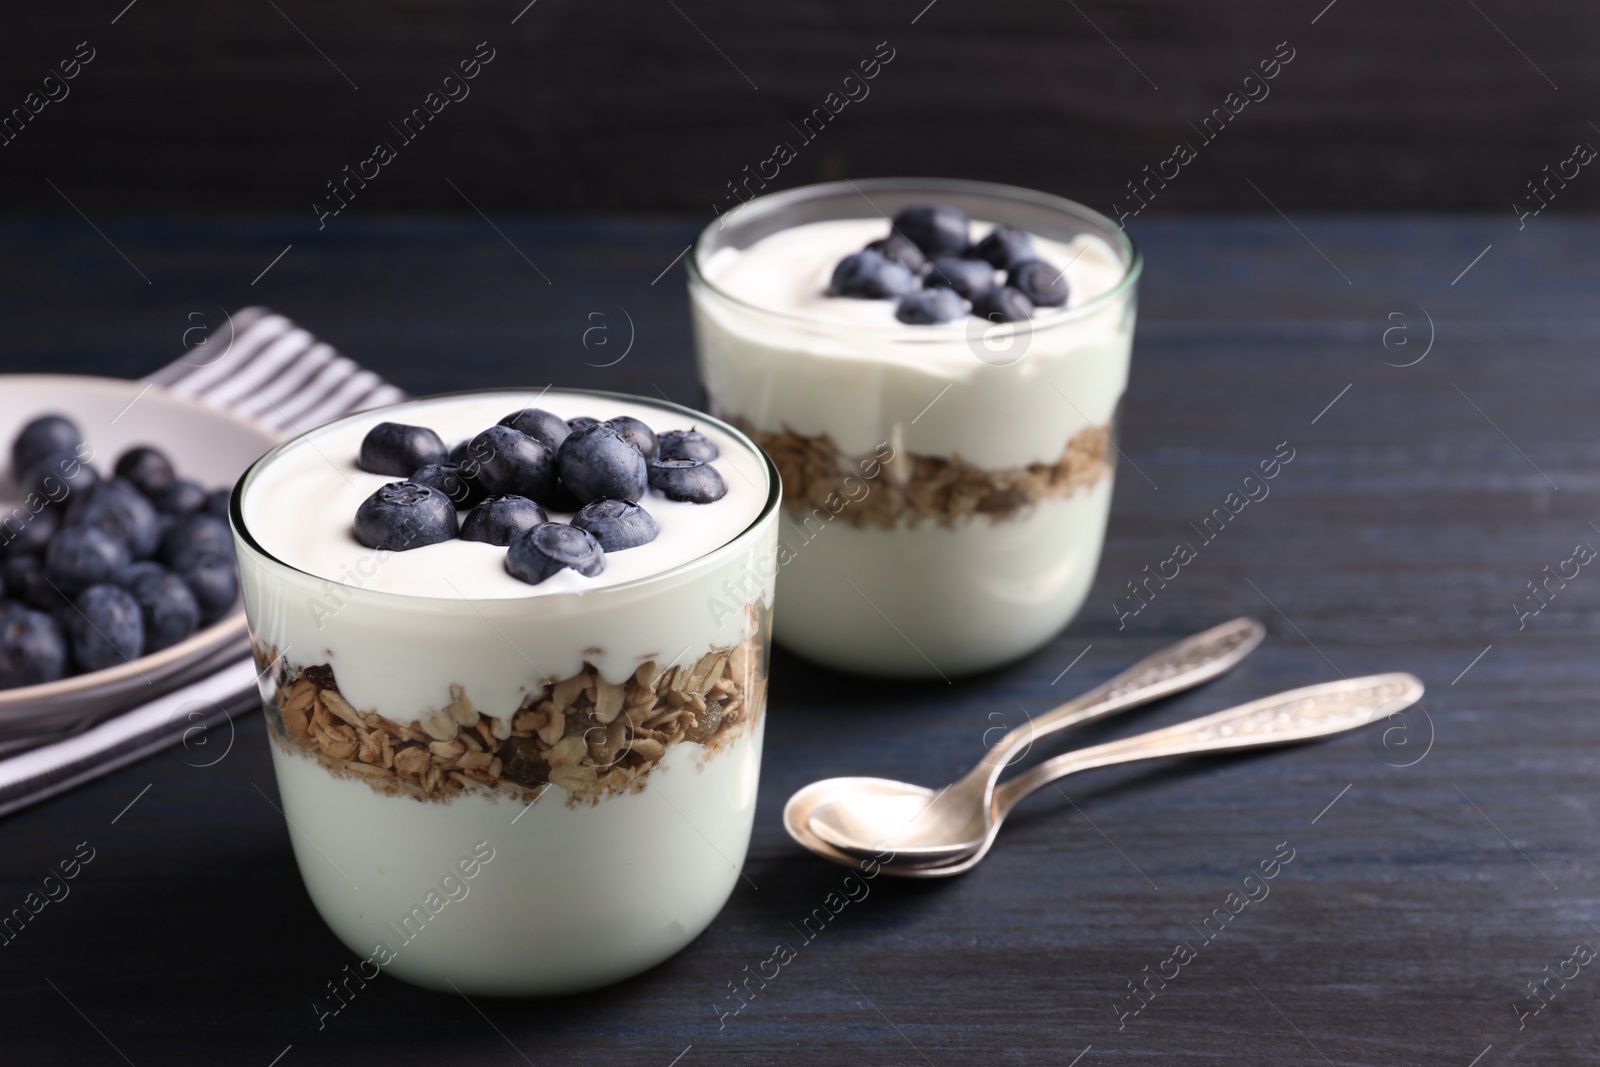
<point>227,629</point>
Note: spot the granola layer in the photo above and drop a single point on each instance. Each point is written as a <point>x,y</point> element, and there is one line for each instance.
<point>911,489</point>
<point>590,737</point>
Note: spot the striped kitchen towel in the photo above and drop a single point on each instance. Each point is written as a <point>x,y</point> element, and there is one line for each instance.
<point>261,365</point>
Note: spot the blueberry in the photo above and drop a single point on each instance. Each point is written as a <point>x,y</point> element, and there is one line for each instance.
<point>969,277</point>
<point>26,533</point>
<point>56,477</point>
<point>404,515</point>
<point>581,422</point>
<point>120,509</point>
<point>217,502</point>
<point>500,519</point>
<point>1006,247</point>
<point>460,452</point>
<point>1041,283</point>
<point>144,467</point>
<point>686,444</point>
<point>937,229</point>
<point>448,479</point>
<point>107,628</point>
<point>692,480</point>
<point>597,464</point>
<point>190,538</point>
<point>543,426</point>
<point>33,649</point>
<point>636,433</point>
<point>178,496</point>
<point>214,581</point>
<point>546,549</point>
<point>870,276</point>
<point>507,462</point>
<point>45,436</point>
<point>617,524</point>
<point>1002,304</point>
<point>898,248</point>
<point>930,307</point>
<point>26,581</point>
<point>81,556</point>
<point>166,604</point>
<point>398,449</point>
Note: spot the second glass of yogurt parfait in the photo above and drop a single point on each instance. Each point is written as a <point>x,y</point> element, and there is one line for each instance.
<point>946,486</point>
<point>500,787</point>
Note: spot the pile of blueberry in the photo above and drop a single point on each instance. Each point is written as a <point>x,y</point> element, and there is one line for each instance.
<point>507,476</point>
<point>94,573</point>
<point>933,272</point>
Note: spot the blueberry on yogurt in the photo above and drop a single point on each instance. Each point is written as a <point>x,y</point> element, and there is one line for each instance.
<point>617,524</point>
<point>552,547</point>
<point>1002,304</point>
<point>898,248</point>
<point>691,480</point>
<point>870,276</point>
<point>507,462</point>
<point>1041,283</point>
<point>448,479</point>
<point>636,433</point>
<point>969,277</point>
<point>1005,248</point>
<point>548,428</point>
<point>397,449</point>
<point>936,229</point>
<point>500,519</point>
<point>686,444</point>
<point>404,515</point>
<point>596,463</point>
<point>930,307</point>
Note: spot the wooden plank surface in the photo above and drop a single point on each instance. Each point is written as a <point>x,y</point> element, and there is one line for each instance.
<point>608,105</point>
<point>1438,866</point>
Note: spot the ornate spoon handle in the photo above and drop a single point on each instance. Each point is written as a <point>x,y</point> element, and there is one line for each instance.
<point>1298,715</point>
<point>1175,668</point>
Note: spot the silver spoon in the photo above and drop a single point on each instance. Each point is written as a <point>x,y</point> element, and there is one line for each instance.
<point>1173,669</point>
<point>1297,715</point>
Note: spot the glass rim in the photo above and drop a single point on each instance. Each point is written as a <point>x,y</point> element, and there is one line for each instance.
<point>774,496</point>
<point>1057,317</point>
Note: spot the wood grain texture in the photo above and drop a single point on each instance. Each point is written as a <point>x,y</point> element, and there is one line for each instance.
<point>657,106</point>
<point>1416,908</point>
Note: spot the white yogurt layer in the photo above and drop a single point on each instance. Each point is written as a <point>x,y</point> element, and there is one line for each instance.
<point>573,898</point>
<point>301,507</point>
<point>931,600</point>
<point>779,353</point>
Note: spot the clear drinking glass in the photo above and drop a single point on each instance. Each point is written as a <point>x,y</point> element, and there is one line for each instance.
<point>946,489</point>
<point>397,723</point>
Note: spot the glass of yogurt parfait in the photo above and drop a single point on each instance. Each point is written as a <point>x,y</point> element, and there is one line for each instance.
<point>514,673</point>
<point>935,367</point>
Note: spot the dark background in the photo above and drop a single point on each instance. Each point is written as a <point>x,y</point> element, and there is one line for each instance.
<point>655,105</point>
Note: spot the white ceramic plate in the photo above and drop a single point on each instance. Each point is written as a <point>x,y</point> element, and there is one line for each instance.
<point>206,445</point>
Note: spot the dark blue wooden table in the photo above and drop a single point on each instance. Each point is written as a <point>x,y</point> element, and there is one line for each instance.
<point>1435,380</point>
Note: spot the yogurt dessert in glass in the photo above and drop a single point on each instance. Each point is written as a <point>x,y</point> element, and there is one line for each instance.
<point>524,763</point>
<point>935,367</point>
